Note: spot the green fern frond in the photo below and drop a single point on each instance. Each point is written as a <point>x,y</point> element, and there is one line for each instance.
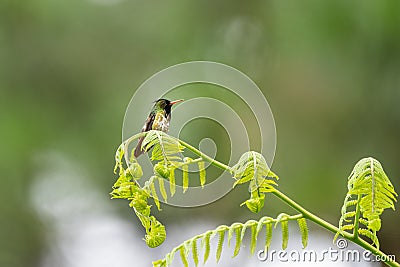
<point>155,234</point>
<point>167,150</point>
<point>165,147</point>
<point>126,188</point>
<point>372,182</point>
<point>255,202</point>
<point>252,168</point>
<point>371,192</point>
<point>239,230</point>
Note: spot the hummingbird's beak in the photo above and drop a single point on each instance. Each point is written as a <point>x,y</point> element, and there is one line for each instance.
<point>176,101</point>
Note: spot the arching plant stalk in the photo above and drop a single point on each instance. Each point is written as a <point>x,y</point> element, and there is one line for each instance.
<point>370,192</point>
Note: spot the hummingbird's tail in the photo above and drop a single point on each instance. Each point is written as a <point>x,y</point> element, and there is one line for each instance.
<point>138,149</point>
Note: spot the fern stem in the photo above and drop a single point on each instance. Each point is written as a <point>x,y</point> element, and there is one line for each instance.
<point>190,162</point>
<point>334,229</point>
<point>205,157</point>
<point>189,147</point>
<point>305,213</point>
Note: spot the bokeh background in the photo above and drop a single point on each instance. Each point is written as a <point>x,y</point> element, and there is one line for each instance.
<point>330,71</point>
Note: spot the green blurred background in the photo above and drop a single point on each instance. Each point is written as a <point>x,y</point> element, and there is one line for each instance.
<point>329,69</point>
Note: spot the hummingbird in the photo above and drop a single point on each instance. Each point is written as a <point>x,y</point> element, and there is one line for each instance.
<point>158,119</point>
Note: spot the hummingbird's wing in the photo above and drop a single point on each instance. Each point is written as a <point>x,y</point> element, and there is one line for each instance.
<point>149,122</point>
<point>146,127</point>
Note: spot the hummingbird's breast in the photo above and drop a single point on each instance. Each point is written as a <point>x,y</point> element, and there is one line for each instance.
<point>161,122</point>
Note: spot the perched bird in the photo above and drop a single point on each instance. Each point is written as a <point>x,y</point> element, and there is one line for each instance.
<point>158,119</point>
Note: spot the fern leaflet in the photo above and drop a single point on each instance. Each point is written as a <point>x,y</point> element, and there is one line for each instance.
<point>303,230</point>
<point>153,191</point>
<point>285,234</point>
<point>183,254</point>
<point>202,173</point>
<point>253,240</point>
<point>238,243</point>
<point>221,237</point>
<point>172,184</point>
<point>239,229</point>
<point>185,177</point>
<point>206,243</point>
<point>162,188</point>
<point>268,235</point>
<point>195,253</point>
<point>370,192</point>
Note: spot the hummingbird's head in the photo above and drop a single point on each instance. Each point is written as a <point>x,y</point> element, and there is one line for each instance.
<point>165,104</point>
